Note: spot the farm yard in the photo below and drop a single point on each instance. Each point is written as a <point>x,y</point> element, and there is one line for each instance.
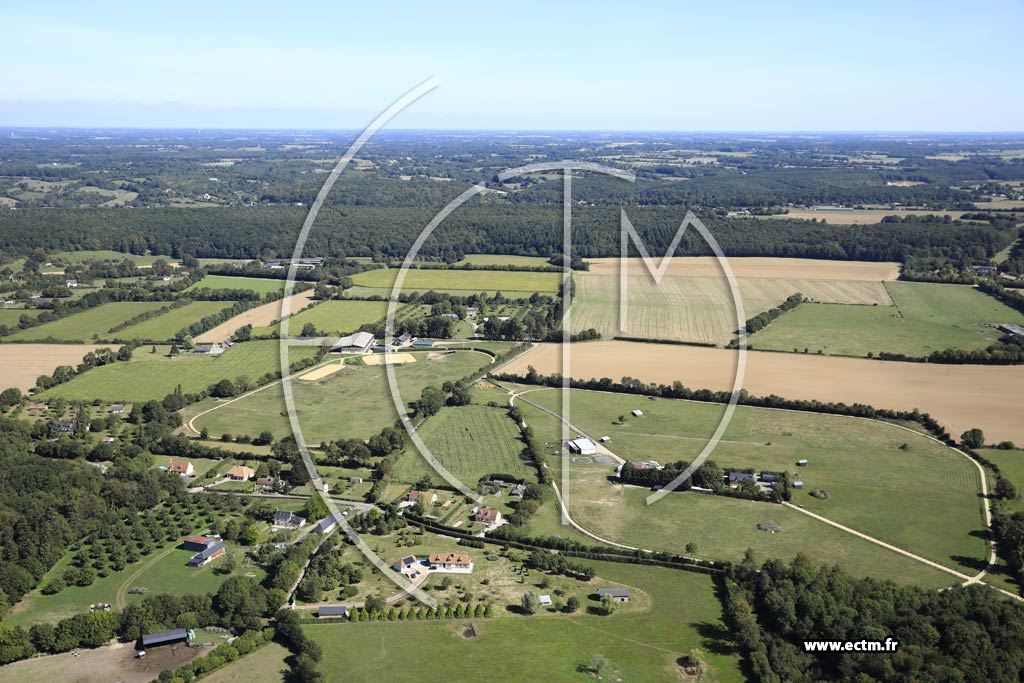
<point>471,442</point>
<point>960,397</point>
<point>925,318</point>
<point>23,363</point>
<point>354,402</point>
<point>92,324</point>
<point>463,280</point>
<point>871,472</point>
<point>153,376</point>
<point>699,309</point>
<point>108,663</point>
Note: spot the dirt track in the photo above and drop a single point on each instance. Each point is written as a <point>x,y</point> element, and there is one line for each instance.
<point>755,266</point>
<point>23,363</point>
<point>958,396</point>
<point>261,316</point>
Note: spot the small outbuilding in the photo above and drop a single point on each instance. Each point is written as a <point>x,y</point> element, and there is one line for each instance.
<point>582,446</point>
<point>332,611</point>
<point>802,462</point>
<point>638,413</point>
<point>617,594</point>
<point>175,635</point>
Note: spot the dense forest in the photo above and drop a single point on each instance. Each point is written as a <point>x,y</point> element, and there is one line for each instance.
<point>526,230</point>
<point>963,634</point>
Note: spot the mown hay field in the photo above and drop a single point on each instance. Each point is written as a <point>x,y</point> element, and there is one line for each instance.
<point>261,316</point>
<point>471,442</point>
<point>23,363</point>
<point>754,266</point>
<point>699,309</point>
<point>337,317</point>
<point>255,284</point>
<point>93,324</point>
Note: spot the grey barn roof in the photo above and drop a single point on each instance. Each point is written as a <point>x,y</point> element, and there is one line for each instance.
<point>333,611</point>
<point>327,523</point>
<point>206,554</point>
<point>614,592</point>
<point>163,637</point>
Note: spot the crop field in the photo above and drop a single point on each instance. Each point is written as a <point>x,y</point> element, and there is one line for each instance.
<point>643,645</point>
<point>164,327</point>
<point>753,266</point>
<point>153,376</point>
<point>503,260</point>
<point>860,216</point>
<point>338,317</point>
<point>926,317</point>
<point>699,309</point>
<point>472,280</point>
<point>256,284</point>
<point>873,473</point>
<point>260,316</point>
<point>471,442</point>
<point>89,325</point>
<point>23,363</point>
<point>960,397</point>
<point>354,403</point>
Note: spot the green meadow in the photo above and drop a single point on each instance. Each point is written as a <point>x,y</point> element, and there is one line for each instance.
<point>93,324</point>
<point>255,284</point>
<point>471,280</point>
<point>926,317</point>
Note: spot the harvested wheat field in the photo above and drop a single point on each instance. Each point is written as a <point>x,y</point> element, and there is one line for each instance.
<point>23,363</point>
<point>700,309</point>
<point>261,316</point>
<point>389,359</point>
<point>960,397</point>
<point>753,266</point>
<point>862,216</point>
<point>323,371</point>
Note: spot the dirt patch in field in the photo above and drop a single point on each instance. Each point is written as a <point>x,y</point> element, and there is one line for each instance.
<point>755,266</point>
<point>325,371</point>
<point>23,363</point>
<point>261,316</point>
<point>960,397</point>
<point>101,665</point>
<point>389,359</point>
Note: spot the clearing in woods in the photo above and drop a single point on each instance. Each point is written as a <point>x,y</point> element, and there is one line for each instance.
<point>926,317</point>
<point>471,442</point>
<point>958,396</point>
<point>699,309</point>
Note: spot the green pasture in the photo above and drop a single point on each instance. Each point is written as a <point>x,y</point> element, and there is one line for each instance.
<point>89,325</point>
<point>164,327</point>
<point>255,284</point>
<point>472,280</point>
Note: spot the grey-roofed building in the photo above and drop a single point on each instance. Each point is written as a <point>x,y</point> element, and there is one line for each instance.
<point>617,594</point>
<point>740,477</point>
<point>202,557</point>
<point>326,524</point>
<point>288,520</point>
<point>332,611</point>
<point>360,342</point>
<point>175,635</point>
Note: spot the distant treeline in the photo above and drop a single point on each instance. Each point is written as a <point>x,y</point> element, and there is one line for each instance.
<point>268,231</point>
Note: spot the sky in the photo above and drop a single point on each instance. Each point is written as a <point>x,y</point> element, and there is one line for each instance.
<point>669,66</point>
